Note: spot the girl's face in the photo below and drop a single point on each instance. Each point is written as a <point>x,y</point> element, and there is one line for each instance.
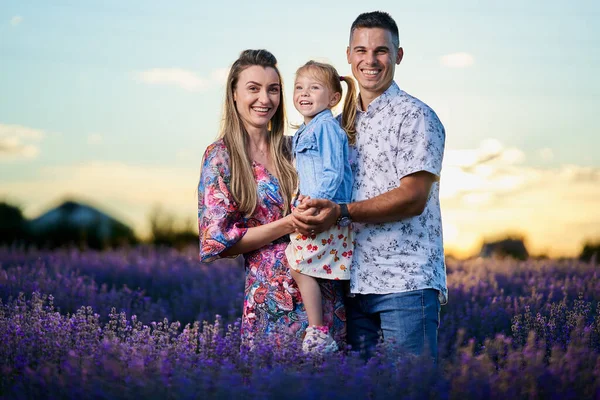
<point>312,96</point>
<point>257,96</point>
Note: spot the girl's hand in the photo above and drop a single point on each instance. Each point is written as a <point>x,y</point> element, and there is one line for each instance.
<point>301,202</point>
<point>304,208</point>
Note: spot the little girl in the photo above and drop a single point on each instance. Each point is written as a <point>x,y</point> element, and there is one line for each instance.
<point>320,149</point>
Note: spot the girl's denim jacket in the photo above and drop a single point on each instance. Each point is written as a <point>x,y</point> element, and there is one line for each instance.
<point>321,152</point>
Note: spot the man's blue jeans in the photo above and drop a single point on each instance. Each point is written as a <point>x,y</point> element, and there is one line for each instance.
<point>409,320</point>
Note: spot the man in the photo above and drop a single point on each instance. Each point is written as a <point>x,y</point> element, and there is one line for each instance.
<point>398,278</point>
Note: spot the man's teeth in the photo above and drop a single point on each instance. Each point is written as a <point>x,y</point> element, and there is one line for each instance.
<point>370,72</point>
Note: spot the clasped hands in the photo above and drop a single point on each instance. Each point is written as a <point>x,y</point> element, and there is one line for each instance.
<point>312,216</point>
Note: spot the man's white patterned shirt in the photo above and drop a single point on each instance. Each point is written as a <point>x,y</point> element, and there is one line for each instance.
<point>396,136</point>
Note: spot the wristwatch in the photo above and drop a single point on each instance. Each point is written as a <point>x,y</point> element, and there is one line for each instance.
<point>344,219</point>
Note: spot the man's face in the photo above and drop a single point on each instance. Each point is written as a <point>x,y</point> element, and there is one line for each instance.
<point>373,57</point>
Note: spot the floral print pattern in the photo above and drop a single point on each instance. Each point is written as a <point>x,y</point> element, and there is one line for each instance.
<point>396,136</point>
<point>324,255</point>
<point>272,301</point>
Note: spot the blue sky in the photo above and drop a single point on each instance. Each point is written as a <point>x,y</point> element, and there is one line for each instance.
<point>114,102</point>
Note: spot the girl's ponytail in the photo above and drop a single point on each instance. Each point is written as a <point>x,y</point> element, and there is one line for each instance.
<point>349,111</point>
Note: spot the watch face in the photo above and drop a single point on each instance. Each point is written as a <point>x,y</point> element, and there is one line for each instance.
<point>344,222</point>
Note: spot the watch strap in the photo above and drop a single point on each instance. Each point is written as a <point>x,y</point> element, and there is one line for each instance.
<point>344,211</point>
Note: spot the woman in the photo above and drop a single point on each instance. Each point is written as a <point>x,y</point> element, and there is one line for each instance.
<point>246,185</point>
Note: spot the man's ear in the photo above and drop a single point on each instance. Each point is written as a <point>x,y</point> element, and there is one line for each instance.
<point>348,54</point>
<point>399,55</point>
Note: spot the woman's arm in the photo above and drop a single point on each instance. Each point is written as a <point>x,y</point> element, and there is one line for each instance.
<point>259,236</point>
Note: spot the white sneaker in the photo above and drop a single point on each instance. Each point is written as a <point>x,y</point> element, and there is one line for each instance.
<point>316,341</point>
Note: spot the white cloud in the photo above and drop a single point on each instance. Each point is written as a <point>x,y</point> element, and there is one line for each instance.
<point>182,78</point>
<point>490,168</point>
<point>16,20</point>
<point>16,142</point>
<point>490,190</point>
<point>94,138</point>
<point>21,132</point>
<point>220,75</point>
<point>546,154</point>
<point>457,60</point>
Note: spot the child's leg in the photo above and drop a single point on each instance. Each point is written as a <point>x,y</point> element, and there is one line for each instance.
<point>311,296</point>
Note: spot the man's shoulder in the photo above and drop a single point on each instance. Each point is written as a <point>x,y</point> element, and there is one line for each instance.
<point>407,101</point>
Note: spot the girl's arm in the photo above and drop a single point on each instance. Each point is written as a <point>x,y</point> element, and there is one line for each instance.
<point>259,236</point>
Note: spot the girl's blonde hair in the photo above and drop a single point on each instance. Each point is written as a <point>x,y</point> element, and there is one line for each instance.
<point>329,76</point>
<point>243,185</point>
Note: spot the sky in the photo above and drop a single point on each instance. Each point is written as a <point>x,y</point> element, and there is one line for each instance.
<point>112,103</point>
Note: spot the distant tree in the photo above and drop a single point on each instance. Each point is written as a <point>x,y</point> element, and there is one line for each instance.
<point>13,226</point>
<point>511,246</point>
<point>167,230</point>
<point>590,252</point>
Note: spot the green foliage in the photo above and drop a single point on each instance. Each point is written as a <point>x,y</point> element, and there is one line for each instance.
<point>167,230</point>
<point>13,226</point>
<point>591,251</point>
<point>512,246</point>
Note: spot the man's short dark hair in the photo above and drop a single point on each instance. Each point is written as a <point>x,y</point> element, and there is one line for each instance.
<point>377,19</point>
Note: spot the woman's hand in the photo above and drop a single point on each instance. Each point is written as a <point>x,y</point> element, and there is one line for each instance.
<point>288,223</point>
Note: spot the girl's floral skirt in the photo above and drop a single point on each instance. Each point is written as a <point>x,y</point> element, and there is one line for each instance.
<point>325,255</point>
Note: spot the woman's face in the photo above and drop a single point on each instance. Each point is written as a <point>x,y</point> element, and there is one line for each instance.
<point>257,96</point>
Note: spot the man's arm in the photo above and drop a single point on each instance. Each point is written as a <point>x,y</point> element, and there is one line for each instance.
<point>407,200</point>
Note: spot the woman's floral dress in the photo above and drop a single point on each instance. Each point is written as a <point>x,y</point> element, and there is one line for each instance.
<point>272,301</point>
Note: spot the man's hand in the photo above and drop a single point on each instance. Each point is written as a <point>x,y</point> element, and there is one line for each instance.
<point>308,223</point>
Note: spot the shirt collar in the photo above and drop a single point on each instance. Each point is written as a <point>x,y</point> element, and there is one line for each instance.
<point>323,114</point>
<point>382,101</point>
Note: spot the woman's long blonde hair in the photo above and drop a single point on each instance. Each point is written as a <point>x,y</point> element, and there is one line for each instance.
<point>328,75</point>
<point>243,185</point>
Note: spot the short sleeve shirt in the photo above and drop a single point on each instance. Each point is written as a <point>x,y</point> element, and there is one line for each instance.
<point>396,136</point>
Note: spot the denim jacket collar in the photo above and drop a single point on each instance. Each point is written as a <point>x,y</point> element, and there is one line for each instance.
<point>323,114</point>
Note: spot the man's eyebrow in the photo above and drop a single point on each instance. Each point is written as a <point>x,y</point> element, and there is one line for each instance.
<point>376,49</point>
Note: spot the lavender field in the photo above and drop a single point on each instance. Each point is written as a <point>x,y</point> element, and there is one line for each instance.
<point>154,323</point>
